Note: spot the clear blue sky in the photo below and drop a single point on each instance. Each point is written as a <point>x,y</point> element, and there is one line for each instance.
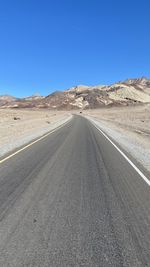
<point>48,45</point>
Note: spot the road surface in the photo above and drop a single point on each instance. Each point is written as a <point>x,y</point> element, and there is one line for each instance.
<point>71,199</point>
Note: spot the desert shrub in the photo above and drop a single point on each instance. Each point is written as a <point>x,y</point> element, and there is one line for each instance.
<point>16,118</point>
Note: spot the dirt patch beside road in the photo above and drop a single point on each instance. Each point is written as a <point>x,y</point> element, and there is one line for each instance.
<point>129,126</point>
<point>19,126</point>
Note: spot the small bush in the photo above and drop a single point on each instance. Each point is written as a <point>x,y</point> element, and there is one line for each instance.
<point>16,118</point>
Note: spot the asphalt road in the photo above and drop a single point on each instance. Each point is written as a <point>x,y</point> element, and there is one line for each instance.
<point>71,199</point>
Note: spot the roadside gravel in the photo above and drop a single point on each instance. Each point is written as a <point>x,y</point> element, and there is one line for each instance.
<point>129,141</point>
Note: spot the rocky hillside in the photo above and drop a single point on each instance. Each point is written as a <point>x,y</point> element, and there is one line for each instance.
<point>4,99</point>
<point>140,84</point>
<point>128,92</point>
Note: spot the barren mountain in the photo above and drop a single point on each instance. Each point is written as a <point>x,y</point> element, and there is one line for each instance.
<point>4,99</point>
<point>33,97</point>
<point>140,84</point>
<point>131,91</point>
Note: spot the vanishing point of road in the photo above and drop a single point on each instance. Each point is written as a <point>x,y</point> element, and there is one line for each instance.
<point>72,199</point>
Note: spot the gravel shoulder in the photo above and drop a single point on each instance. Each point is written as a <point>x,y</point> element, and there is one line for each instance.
<point>129,127</point>
<point>19,127</point>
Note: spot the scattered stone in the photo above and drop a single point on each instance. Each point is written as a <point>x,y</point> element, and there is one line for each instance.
<point>16,118</point>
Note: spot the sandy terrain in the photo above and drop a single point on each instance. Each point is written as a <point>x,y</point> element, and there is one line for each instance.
<point>129,126</point>
<point>135,118</point>
<point>18,127</point>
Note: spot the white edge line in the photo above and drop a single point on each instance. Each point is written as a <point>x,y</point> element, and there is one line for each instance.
<point>34,142</point>
<point>129,161</point>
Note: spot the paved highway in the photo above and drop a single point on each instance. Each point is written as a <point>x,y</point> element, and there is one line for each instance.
<point>71,199</point>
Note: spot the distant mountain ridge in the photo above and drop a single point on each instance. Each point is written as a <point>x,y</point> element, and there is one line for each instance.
<point>4,99</point>
<point>130,91</point>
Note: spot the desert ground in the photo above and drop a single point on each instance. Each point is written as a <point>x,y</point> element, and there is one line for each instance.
<point>129,126</point>
<point>19,126</point>
<point>132,118</point>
